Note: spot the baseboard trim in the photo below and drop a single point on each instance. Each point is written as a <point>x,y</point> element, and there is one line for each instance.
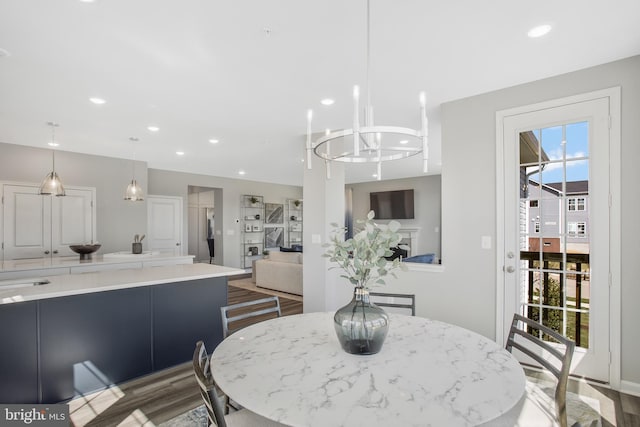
<point>630,387</point>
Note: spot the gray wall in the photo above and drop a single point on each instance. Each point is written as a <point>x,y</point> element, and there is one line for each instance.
<point>227,196</point>
<point>117,220</point>
<point>465,293</point>
<point>426,205</point>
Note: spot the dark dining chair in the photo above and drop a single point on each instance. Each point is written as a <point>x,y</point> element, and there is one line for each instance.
<point>212,402</point>
<point>246,313</point>
<point>524,336</point>
<point>381,299</point>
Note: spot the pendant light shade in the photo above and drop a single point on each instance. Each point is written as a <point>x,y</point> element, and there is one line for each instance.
<point>51,184</point>
<point>134,191</point>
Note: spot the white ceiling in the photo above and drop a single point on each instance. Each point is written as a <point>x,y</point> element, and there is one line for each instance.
<point>202,69</point>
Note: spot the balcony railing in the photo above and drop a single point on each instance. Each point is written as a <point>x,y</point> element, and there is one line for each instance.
<point>553,263</point>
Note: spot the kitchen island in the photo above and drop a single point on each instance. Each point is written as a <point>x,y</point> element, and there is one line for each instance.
<point>84,332</point>
<point>19,268</point>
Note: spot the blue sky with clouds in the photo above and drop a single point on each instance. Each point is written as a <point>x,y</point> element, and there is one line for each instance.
<point>575,150</point>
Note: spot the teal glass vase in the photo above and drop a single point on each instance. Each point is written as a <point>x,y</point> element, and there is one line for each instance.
<point>361,326</point>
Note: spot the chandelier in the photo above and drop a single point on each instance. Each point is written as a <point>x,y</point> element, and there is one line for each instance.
<point>369,143</point>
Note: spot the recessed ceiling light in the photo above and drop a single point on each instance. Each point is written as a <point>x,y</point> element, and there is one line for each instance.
<point>241,172</point>
<point>3,53</point>
<point>53,143</point>
<point>375,175</point>
<point>539,31</point>
<point>180,153</point>
<point>404,141</point>
<point>213,141</point>
<point>87,1</point>
<point>153,128</point>
<point>97,101</point>
<point>327,101</point>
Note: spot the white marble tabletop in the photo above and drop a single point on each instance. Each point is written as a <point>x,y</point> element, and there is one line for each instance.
<point>428,373</point>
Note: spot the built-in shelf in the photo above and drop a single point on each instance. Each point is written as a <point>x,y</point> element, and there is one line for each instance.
<point>294,222</point>
<point>252,223</point>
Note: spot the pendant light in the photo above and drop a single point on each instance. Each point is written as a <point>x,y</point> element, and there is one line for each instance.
<point>134,191</point>
<point>370,143</point>
<point>51,184</point>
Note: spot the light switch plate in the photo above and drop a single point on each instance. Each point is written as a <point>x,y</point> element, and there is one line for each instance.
<point>315,238</point>
<point>486,242</point>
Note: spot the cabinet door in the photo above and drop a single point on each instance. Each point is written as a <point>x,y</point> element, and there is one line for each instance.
<point>27,222</point>
<point>36,226</point>
<point>72,220</point>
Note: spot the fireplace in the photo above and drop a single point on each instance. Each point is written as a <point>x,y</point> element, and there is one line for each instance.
<point>409,238</point>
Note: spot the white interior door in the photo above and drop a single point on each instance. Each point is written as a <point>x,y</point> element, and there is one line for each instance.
<point>164,224</point>
<point>26,222</point>
<point>73,220</point>
<point>554,194</point>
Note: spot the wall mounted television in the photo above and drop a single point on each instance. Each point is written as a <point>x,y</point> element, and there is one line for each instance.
<point>397,204</point>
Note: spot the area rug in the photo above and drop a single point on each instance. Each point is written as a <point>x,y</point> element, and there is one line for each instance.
<point>581,409</point>
<point>196,417</point>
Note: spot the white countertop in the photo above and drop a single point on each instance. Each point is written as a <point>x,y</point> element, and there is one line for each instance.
<point>293,370</point>
<point>71,261</point>
<point>76,284</point>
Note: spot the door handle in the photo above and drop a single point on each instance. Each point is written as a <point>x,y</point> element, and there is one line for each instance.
<point>177,244</point>
<point>55,252</point>
<point>46,252</point>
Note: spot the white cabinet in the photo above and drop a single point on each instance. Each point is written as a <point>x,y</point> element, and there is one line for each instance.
<point>35,226</point>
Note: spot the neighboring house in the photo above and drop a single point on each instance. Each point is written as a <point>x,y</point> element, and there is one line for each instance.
<point>553,214</point>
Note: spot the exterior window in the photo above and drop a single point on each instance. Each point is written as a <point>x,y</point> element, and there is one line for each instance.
<point>577,229</point>
<point>533,203</point>
<point>576,203</point>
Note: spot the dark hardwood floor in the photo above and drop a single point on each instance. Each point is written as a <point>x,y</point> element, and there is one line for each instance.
<point>154,399</point>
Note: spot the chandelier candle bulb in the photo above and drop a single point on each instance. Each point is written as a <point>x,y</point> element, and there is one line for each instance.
<point>356,121</point>
<point>425,133</point>
<point>326,162</point>
<point>309,117</point>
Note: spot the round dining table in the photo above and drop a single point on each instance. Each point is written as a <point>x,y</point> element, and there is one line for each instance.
<point>429,373</point>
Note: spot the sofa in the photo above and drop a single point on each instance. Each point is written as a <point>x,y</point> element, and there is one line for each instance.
<point>281,271</point>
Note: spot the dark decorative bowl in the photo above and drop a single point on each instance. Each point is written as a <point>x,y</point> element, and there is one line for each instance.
<point>85,251</point>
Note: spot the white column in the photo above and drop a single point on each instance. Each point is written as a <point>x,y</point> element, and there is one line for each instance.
<point>323,204</point>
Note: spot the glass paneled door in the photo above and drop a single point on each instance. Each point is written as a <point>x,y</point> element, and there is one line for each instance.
<point>556,219</point>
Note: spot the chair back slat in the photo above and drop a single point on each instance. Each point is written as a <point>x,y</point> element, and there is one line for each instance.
<point>228,319</point>
<point>205,382</point>
<point>563,357</point>
<point>410,306</point>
